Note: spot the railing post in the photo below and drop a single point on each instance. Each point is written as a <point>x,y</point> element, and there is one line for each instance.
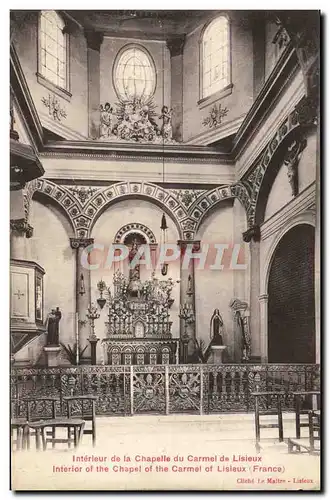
<point>131,389</point>
<point>202,390</point>
<point>167,391</point>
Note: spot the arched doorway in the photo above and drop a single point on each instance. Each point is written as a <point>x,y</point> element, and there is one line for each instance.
<point>291,307</point>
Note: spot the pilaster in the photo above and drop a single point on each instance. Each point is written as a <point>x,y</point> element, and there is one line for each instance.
<point>94,41</point>
<point>187,294</point>
<point>263,304</point>
<point>256,331</point>
<point>175,46</point>
<point>83,291</point>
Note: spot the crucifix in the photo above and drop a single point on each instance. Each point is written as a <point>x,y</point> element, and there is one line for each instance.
<point>19,294</point>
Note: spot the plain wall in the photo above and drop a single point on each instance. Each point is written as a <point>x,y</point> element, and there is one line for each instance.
<point>50,248</point>
<point>215,287</point>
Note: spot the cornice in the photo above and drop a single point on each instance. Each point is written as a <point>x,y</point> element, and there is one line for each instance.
<point>105,176</point>
<point>146,152</point>
<point>283,71</point>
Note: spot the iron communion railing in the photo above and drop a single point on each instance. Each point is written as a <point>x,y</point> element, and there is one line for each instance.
<point>164,389</point>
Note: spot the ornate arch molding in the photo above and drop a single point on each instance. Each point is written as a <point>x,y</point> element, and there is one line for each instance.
<point>137,227</point>
<point>67,201</point>
<point>251,188</point>
<point>209,201</point>
<point>145,190</point>
<point>83,206</point>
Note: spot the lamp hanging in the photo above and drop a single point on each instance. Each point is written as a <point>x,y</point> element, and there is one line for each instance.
<point>163,240</point>
<point>163,225</point>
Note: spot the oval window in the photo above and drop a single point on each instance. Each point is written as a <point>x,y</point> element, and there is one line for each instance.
<point>134,74</point>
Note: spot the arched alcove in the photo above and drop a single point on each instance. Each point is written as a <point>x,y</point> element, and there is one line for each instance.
<point>214,286</point>
<point>50,247</point>
<point>291,306</point>
<point>132,214</point>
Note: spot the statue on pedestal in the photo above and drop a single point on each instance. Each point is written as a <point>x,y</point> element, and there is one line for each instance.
<point>215,349</point>
<point>216,328</point>
<point>52,324</point>
<point>134,273</point>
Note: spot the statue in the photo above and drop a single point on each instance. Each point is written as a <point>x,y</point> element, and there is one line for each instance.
<point>291,161</point>
<point>52,323</point>
<point>243,323</point>
<point>166,129</point>
<point>134,273</point>
<point>216,326</point>
<point>106,120</point>
<point>134,286</point>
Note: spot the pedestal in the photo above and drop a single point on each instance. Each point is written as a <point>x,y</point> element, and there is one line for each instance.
<point>216,354</point>
<point>52,353</point>
<point>184,351</point>
<point>93,340</point>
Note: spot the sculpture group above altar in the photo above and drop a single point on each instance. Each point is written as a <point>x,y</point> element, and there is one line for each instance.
<point>135,121</point>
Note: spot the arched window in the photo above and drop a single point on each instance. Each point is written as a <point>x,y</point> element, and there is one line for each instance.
<point>134,74</point>
<point>53,48</point>
<point>215,57</point>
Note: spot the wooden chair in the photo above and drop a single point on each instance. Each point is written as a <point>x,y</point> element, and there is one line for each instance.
<point>314,425</point>
<point>84,407</point>
<point>33,403</point>
<point>19,425</point>
<point>299,396</point>
<point>75,429</point>
<point>299,445</point>
<point>259,413</point>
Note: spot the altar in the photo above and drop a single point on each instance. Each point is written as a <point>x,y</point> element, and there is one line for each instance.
<point>138,321</point>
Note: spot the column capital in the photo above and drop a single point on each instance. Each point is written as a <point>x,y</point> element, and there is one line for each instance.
<point>175,45</point>
<point>81,242</point>
<point>94,39</point>
<point>195,243</point>
<point>263,297</point>
<point>238,305</point>
<point>21,226</point>
<point>251,233</point>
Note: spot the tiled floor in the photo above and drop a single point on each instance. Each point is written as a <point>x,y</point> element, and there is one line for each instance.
<point>199,452</point>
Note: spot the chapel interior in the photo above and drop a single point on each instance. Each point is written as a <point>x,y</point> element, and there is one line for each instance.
<point>138,129</point>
